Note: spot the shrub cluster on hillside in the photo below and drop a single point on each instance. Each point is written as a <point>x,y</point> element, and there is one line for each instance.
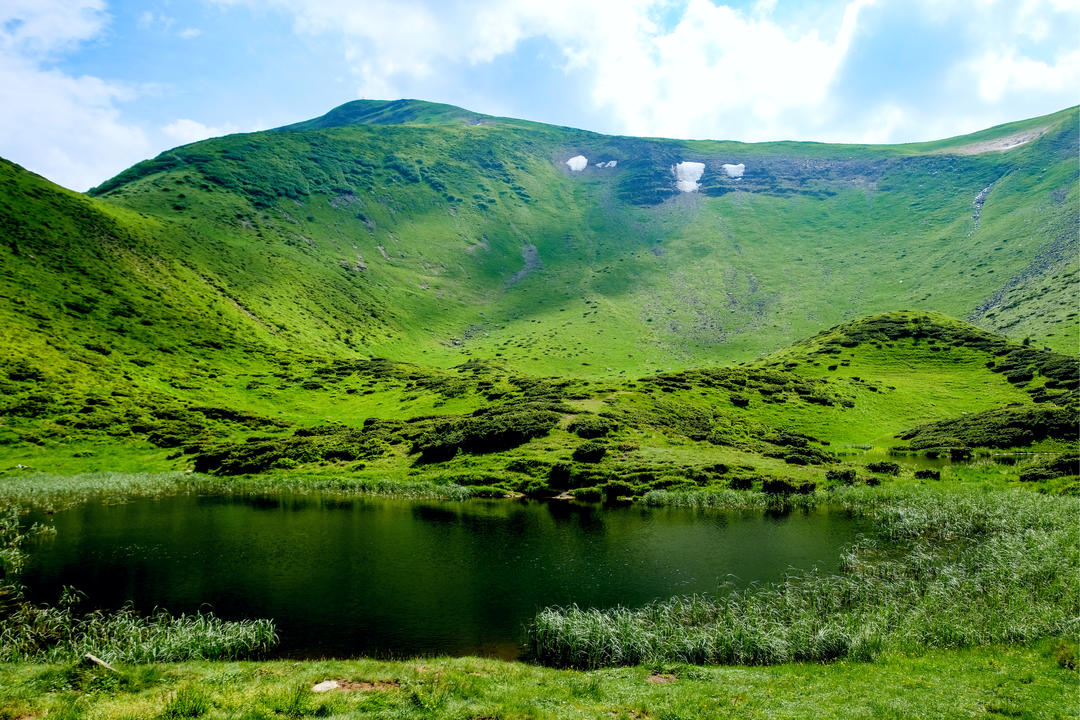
<point>999,428</point>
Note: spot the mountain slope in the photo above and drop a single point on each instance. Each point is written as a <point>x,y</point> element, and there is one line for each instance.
<point>255,283</point>
<point>483,232</point>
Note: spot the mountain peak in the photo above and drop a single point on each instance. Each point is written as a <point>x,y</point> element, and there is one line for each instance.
<point>390,112</point>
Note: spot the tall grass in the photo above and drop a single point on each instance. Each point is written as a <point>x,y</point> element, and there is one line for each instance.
<point>940,569</point>
<point>727,499</point>
<point>13,535</point>
<point>44,491</point>
<point>32,633</point>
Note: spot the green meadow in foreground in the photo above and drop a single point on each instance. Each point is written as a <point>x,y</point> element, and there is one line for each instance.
<point>1036,681</point>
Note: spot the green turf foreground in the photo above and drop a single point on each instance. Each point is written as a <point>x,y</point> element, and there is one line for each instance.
<point>1038,681</point>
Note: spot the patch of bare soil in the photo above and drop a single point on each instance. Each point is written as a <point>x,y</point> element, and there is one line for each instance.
<point>365,686</point>
<point>999,144</point>
<point>342,685</point>
<point>660,679</point>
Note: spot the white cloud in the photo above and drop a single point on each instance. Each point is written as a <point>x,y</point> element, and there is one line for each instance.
<point>190,33</point>
<point>150,20</point>
<point>67,128</point>
<point>1004,71</point>
<point>387,41</point>
<point>718,71</point>
<point>40,28</point>
<point>184,130</point>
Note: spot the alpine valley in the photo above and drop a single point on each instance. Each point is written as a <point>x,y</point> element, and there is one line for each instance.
<point>415,300</point>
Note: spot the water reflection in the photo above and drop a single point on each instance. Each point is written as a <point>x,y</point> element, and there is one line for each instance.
<point>375,576</point>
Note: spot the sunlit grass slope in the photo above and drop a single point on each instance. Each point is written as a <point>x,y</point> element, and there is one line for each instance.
<point>407,289</point>
<point>432,233</point>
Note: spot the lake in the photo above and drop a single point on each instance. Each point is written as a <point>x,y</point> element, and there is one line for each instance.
<point>393,577</point>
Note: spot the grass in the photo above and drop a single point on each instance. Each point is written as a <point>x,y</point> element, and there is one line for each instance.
<point>791,416</point>
<point>940,569</point>
<point>55,492</point>
<point>1013,681</point>
<point>30,633</point>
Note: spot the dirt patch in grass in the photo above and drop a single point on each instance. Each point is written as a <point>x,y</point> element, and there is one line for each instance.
<point>1000,144</point>
<point>660,679</point>
<point>361,686</point>
<point>365,686</point>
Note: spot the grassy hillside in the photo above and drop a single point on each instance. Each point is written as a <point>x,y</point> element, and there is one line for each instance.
<point>406,289</point>
<point>467,236</point>
<point>802,418</point>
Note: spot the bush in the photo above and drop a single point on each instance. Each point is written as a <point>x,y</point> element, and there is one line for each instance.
<point>1052,467</point>
<point>741,482</point>
<point>785,486</point>
<point>885,467</point>
<point>739,400</point>
<point>617,488</point>
<point>1002,428</point>
<point>927,474</point>
<point>590,452</point>
<point>336,444</point>
<point>1066,655</point>
<point>844,476</point>
<point>588,494</point>
<point>591,426</point>
<point>495,430</point>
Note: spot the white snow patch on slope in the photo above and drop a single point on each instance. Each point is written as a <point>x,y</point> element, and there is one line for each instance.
<point>734,171</point>
<point>608,164</point>
<point>577,163</point>
<point>687,175</point>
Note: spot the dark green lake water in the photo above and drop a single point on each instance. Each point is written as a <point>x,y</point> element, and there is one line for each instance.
<point>403,577</point>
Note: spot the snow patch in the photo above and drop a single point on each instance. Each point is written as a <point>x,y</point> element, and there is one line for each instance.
<point>608,164</point>
<point>577,163</point>
<point>687,175</point>
<point>734,171</point>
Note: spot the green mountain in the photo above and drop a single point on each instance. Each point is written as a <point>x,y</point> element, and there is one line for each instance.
<point>359,283</point>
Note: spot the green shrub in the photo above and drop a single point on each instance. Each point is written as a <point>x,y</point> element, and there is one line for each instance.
<point>1048,468</point>
<point>588,494</point>
<point>494,431</point>
<point>1001,428</point>
<point>885,467</point>
<point>787,486</point>
<point>590,452</point>
<point>927,474</point>
<point>741,482</point>
<point>844,476</point>
<point>615,489</point>
<point>592,426</point>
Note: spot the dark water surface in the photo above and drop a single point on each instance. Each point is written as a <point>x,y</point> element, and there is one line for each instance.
<point>406,577</point>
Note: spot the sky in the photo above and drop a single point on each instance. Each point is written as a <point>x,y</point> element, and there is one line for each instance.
<point>90,87</point>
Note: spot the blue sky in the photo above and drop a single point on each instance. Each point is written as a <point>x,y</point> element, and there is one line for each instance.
<point>88,87</point>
